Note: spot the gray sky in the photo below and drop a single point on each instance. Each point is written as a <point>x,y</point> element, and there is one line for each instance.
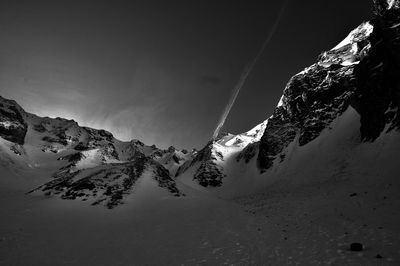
<point>161,71</point>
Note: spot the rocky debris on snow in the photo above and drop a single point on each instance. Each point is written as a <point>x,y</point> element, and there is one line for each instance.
<point>164,180</point>
<point>17,149</point>
<point>106,184</point>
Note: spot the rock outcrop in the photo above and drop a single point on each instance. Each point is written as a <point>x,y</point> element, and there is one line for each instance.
<point>12,123</point>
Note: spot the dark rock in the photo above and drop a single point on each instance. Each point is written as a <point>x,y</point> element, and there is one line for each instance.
<point>248,152</point>
<point>81,147</point>
<point>55,140</point>
<point>39,128</point>
<point>378,256</point>
<point>107,135</point>
<point>17,149</point>
<point>137,142</point>
<point>171,149</point>
<point>175,158</point>
<point>356,247</point>
<point>12,124</point>
<point>209,174</point>
<point>73,158</point>
<point>164,179</point>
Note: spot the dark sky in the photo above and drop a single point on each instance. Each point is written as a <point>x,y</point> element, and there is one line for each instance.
<point>161,71</point>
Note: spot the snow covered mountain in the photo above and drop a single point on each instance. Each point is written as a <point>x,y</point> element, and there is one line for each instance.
<point>332,116</point>
<point>87,163</point>
<point>320,174</point>
<point>337,118</point>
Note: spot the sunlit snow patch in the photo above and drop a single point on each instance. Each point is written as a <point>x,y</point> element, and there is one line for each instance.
<point>360,33</point>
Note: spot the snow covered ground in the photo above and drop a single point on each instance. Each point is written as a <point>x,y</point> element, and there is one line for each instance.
<point>153,228</point>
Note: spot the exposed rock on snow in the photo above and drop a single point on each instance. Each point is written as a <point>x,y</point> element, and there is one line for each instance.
<point>106,184</point>
<point>12,124</point>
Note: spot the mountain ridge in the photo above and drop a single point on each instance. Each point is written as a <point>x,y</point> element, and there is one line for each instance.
<point>355,80</point>
<point>360,73</point>
<point>86,163</point>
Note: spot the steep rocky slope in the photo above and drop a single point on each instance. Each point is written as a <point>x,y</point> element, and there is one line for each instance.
<point>360,73</point>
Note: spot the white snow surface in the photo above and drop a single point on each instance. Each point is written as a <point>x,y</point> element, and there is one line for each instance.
<point>392,3</point>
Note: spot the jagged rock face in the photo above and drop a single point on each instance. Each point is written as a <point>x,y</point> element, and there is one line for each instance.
<point>248,152</point>
<point>106,185</point>
<point>162,176</point>
<point>280,133</point>
<point>209,163</point>
<point>208,173</point>
<point>12,124</point>
<point>362,71</point>
<point>378,80</point>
